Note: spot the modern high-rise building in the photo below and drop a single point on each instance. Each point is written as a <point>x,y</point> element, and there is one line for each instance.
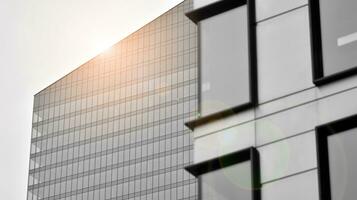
<point>114,127</point>
<point>267,87</point>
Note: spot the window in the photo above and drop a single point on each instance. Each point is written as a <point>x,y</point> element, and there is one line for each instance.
<point>227,57</point>
<point>334,39</point>
<point>230,177</point>
<point>337,163</point>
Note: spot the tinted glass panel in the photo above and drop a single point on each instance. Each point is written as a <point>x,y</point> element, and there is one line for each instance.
<point>339,35</point>
<point>343,165</point>
<point>224,61</point>
<point>230,183</point>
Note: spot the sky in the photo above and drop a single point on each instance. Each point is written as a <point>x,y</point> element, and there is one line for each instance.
<point>40,42</point>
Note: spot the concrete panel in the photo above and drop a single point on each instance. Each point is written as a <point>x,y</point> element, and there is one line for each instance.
<point>269,8</point>
<point>286,102</point>
<point>288,157</point>
<point>201,3</point>
<point>224,142</point>
<point>300,187</point>
<point>286,68</point>
<point>337,106</point>
<point>287,123</point>
<point>224,123</point>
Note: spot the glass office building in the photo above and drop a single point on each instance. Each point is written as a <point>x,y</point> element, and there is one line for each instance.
<point>114,127</point>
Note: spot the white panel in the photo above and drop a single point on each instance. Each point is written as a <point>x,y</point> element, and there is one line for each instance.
<point>269,8</point>
<point>201,3</point>
<point>288,157</point>
<point>337,106</point>
<point>286,102</point>
<point>224,142</point>
<point>300,187</point>
<point>284,61</point>
<point>287,123</point>
<point>224,123</point>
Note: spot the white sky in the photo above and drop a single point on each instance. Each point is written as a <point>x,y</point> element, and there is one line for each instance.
<point>41,41</point>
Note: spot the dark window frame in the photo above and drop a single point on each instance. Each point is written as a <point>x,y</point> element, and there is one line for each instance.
<point>209,11</point>
<point>316,49</point>
<point>250,154</point>
<point>322,134</point>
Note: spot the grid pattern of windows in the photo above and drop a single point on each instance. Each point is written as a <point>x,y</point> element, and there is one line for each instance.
<point>114,127</point>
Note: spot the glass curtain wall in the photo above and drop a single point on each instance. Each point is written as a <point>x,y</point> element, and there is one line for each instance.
<point>114,127</point>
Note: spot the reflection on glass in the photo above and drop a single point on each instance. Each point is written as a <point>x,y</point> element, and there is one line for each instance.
<point>230,183</point>
<point>347,39</point>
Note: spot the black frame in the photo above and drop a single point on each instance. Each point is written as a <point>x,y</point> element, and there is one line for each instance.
<point>212,10</point>
<point>322,133</point>
<point>316,49</point>
<point>251,154</point>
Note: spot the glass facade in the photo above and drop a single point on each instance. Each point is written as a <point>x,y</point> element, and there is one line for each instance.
<point>114,127</point>
<point>334,39</point>
<point>342,164</point>
<point>224,61</point>
<point>228,177</point>
<point>227,59</point>
<point>339,35</point>
<point>336,158</point>
<point>230,183</point>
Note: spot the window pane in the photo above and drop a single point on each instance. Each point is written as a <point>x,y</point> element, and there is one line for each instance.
<point>230,183</point>
<point>343,164</point>
<point>224,61</point>
<point>339,35</point>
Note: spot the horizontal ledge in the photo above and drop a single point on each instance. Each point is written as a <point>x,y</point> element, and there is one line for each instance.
<point>217,116</point>
<point>319,81</point>
<point>222,161</point>
<point>213,9</point>
<point>337,126</point>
